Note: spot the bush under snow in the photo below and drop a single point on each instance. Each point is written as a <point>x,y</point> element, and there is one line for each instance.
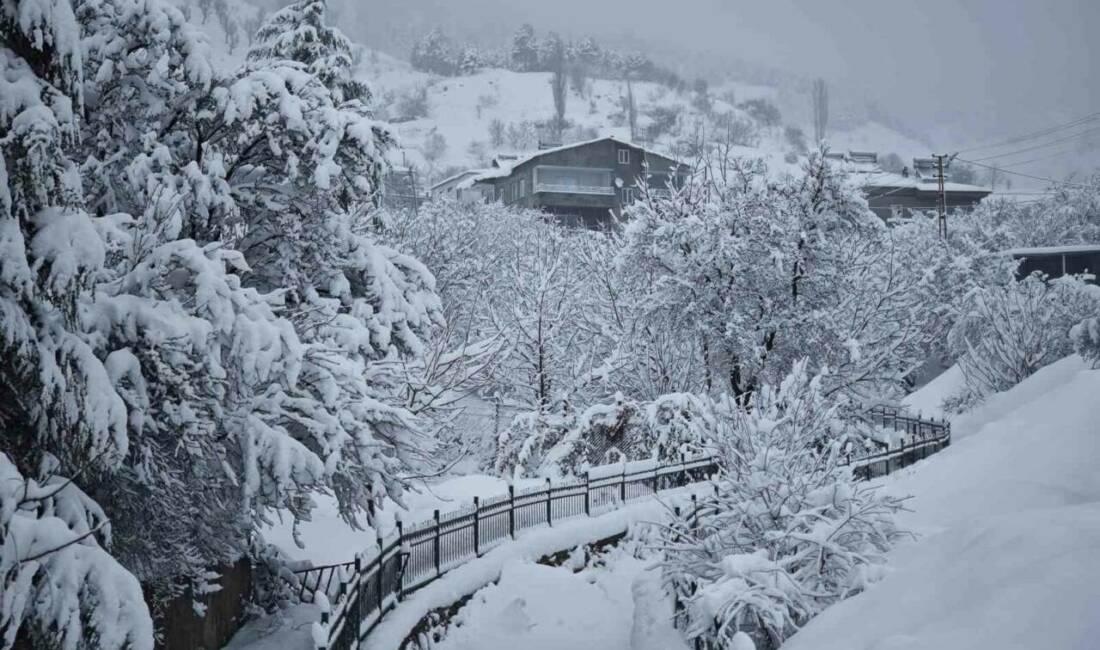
<point>789,531</point>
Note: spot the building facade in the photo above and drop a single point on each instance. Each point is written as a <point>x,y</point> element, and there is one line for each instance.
<point>913,191</point>
<point>584,184</point>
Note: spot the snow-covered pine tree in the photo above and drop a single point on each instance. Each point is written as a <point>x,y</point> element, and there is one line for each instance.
<point>59,408</point>
<point>298,32</point>
<point>303,164</point>
<point>192,353</point>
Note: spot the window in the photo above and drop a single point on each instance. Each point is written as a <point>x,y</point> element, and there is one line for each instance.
<point>624,156</point>
<point>522,187</point>
<point>628,195</point>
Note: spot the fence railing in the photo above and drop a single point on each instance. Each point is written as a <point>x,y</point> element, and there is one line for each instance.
<point>920,438</point>
<point>566,188</point>
<point>362,591</point>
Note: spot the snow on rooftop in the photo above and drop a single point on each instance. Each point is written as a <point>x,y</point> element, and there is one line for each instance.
<point>885,179</point>
<point>506,166</point>
<point>1053,250</point>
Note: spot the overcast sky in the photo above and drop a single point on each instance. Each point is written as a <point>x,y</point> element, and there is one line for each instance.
<point>961,71</point>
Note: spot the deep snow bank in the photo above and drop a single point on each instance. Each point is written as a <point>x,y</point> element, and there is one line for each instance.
<point>1009,518</point>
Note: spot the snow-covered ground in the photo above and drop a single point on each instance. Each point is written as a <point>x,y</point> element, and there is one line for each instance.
<point>545,608</point>
<point>1008,519</point>
<point>328,539</point>
<point>928,401</point>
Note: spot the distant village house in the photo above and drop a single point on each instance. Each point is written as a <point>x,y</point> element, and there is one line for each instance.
<point>915,190</point>
<point>582,184</point>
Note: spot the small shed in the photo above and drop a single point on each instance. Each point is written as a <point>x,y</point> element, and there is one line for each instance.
<point>1058,261</point>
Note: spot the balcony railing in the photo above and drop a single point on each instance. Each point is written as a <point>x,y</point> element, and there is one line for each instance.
<point>564,188</point>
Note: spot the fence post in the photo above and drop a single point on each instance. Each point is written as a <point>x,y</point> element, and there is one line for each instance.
<point>381,561</point>
<point>324,623</point>
<point>622,485</point>
<point>435,543</point>
<point>549,520</point>
<point>477,527</point>
<point>587,497</point>
<point>359,589</point>
<point>694,508</point>
<point>512,510</point>
<point>400,545</point>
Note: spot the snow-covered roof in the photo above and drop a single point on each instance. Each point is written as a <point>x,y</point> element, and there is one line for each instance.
<point>458,176</point>
<point>893,180</point>
<point>1053,250</point>
<point>506,166</point>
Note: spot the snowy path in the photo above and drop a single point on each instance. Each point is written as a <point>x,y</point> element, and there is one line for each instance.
<point>537,607</point>
<point>531,545</point>
<point>615,605</point>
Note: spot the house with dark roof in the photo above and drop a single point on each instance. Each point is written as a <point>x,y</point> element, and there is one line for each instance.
<point>916,190</point>
<point>582,184</point>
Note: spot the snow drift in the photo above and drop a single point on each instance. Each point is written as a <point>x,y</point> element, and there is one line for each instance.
<point>1009,523</point>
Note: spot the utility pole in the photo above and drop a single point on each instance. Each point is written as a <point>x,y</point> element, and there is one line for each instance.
<point>942,160</point>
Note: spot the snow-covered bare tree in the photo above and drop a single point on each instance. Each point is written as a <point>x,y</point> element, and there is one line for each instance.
<point>763,270</point>
<point>789,532</point>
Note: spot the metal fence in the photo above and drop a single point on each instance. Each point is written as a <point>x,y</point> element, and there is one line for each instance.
<point>362,591</point>
<point>920,438</point>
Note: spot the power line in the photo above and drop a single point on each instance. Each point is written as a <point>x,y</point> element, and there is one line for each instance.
<point>1034,134</point>
<point>1045,144</point>
<point>1038,178</point>
<point>1074,149</point>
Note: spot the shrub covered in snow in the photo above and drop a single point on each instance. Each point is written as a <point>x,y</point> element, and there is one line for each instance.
<point>790,531</point>
<point>668,428</point>
<point>1086,339</point>
<point>1008,331</point>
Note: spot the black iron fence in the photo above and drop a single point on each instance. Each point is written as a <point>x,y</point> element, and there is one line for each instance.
<point>357,594</point>
<point>919,439</point>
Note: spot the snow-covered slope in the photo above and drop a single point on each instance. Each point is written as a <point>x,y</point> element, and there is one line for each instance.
<point>1008,519</point>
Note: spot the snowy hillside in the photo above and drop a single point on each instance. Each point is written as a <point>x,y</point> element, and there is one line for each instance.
<point>444,123</point>
<point>449,125</point>
<point>1009,524</point>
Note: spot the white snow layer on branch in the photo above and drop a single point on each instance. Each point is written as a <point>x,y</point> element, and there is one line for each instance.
<point>56,576</point>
